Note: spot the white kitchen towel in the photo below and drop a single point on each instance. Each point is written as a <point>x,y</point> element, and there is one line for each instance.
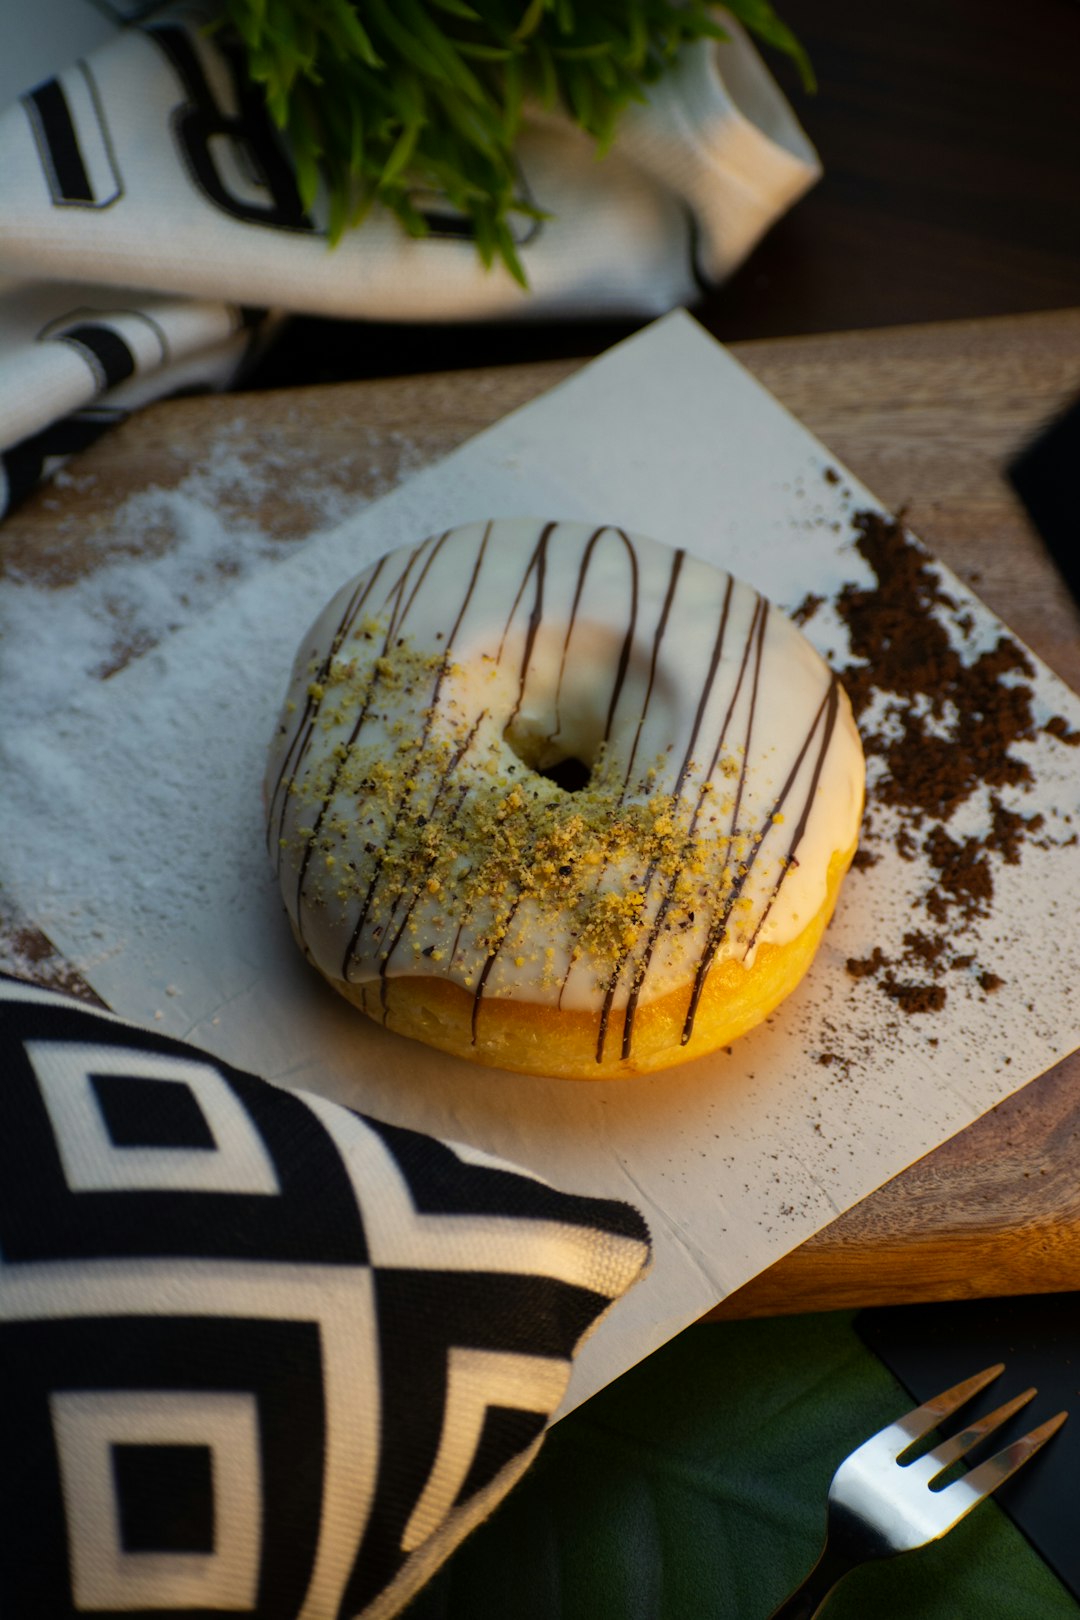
<point>151,230</point>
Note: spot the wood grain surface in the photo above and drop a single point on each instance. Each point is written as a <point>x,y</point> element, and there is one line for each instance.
<point>928,417</point>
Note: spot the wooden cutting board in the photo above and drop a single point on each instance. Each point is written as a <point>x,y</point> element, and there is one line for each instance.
<point>927,417</point>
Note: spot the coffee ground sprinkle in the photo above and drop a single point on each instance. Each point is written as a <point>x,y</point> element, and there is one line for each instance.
<point>940,723</point>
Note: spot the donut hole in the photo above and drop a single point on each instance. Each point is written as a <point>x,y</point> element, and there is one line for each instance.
<point>570,774</point>
<point>569,770</point>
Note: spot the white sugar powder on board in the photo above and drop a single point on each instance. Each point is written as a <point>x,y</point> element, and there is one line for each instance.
<point>166,557</point>
<point>163,559</point>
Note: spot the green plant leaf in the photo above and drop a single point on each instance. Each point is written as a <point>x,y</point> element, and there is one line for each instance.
<point>530,20</point>
<point>760,18</point>
<point>694,1488</point>
<point>457,8</point>
<point>378,97</point>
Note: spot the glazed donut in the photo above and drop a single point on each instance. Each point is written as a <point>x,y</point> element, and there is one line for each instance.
<point>560,798</point>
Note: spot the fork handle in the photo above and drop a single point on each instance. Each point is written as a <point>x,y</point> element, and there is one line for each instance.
<point>810,1595</point>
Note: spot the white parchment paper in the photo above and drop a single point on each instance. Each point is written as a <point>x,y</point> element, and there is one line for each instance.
<point>132,834</point>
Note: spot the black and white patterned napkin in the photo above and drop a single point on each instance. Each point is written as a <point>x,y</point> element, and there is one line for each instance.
<point>260,1354</point>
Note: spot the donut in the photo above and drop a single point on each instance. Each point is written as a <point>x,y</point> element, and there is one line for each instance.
<point>560,798</point>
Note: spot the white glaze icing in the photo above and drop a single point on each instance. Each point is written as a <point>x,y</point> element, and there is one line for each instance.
<point>726,769</point>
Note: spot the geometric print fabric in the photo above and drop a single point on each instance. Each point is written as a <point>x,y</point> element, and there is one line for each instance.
<point>261,1355</point>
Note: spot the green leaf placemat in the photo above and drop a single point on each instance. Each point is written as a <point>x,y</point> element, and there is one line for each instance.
<point>694,1488</point>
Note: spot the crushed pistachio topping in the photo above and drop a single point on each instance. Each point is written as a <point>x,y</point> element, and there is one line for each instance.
<point>424,818</point>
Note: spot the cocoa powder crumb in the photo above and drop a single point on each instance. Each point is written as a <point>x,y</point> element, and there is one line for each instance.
<point>807,608</point>
<point>906,845</point>
<point>925,948</point>
<point>938,726</point>
<point>1009,830</point>
<point>907,657</point>
<point>914,998</point>
<point>865,967</point>
<point>1059,727</point>
<point>963,874</point>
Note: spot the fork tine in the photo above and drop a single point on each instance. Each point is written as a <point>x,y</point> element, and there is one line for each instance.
<point>997,1469</point>
<point>926,1417</point>
<point>959,1444</point>
<point>877,1509</point>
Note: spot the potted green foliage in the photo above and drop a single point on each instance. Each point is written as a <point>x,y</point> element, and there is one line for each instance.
<point>381,98</point>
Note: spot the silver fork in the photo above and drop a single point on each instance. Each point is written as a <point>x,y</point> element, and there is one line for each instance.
<point>881,1504</point>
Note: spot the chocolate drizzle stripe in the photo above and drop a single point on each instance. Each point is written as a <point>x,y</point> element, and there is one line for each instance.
<point>425,733</point>
<point>828,709</point>
<point>680,782</point>
<point>658,637</point>
<point>706,690</point>
<point>628,638</point>
<point>436,546</point>
<point>311,706</point>
<point>583,571</point>
<point>456,626</point>
<point>718,926</point>
<point>458,931</point>
<point>547,529</point>
<point>455,761</point>
<point>754,640</point>
<point>538,564</point>
<point>394,596</point>
<point>384,966</point>
<point>485,971</point>
<point>755,644</point>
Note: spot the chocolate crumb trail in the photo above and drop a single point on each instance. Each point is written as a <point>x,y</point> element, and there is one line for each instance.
<point>1059,727</point>
<point>925,948</point>
<point>866,967</point>
<point>932,766</point>
<point>1010,829</point>
<point>963,874</point>
<point>807,608</point>
<point>914,998</point>
<point>938,727</point>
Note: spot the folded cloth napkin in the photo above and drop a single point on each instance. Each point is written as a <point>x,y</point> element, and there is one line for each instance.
<point>151,231</point>
<point>261,1354</point>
